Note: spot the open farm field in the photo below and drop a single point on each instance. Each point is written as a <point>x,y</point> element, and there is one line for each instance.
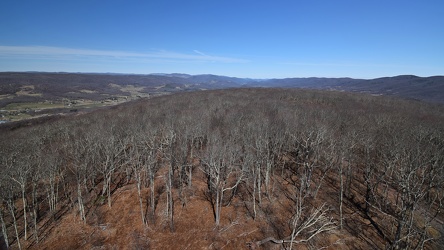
<point>32,95</point>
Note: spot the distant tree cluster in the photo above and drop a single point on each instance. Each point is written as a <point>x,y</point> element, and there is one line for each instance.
<point>308,163</point>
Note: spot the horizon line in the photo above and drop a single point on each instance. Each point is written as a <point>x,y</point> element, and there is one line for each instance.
<point>202,74</point>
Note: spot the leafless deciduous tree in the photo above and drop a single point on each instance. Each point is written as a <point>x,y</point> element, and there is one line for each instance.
<point>81,156</point>
<point>223,171</point>
<point>3,207</point>
<point>19,169</point>
<point>10,192</point>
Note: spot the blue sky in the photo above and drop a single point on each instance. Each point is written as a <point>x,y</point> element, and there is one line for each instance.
<point>242,38</point>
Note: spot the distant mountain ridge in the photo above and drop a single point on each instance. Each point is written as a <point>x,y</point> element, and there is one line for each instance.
<point>430,89</point>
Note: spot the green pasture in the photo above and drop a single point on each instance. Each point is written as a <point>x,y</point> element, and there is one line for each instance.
<point>33,106</point>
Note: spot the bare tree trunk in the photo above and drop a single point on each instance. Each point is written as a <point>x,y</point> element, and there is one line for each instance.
<point>139,192</point>
<point>170,143</point>
<point>81,205</point>
<point>4,232</point>
<point>107,171</point>
<point>25,221</point>
<point>35,210</point>
<point>217,208</point>
<point>254,194</point>
<point>153,198</point>
<point>14,221</point>
<point>259,183</point>
<point>190,166</point>
<point>51,193</point>
<point>190,175</point>
<point>108,190</point>
<point>170,200</point>
<point>267,178</point>
<point>341,194</point>
<point>399,228</point>
<point>80,171</point>
<point>80,201</point>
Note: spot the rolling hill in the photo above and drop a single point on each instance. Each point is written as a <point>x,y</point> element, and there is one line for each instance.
<point>37,94</point>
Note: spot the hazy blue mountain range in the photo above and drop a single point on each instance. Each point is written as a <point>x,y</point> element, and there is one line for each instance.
<point>56,85</point>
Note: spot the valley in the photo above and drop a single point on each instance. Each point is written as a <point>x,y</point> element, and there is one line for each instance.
<point>33,95</point>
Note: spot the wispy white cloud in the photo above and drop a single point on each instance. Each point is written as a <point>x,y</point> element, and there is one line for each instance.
<point>198,52</point>
<point>355,64</point>
<point>156,55</point>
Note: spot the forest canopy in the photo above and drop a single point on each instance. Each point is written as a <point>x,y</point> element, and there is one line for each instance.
<point>293,168</point>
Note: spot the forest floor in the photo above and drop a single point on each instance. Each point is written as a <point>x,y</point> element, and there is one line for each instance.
<point>120,226</point>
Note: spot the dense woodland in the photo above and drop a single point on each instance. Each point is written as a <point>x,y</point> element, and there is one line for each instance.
<point>275,169</point>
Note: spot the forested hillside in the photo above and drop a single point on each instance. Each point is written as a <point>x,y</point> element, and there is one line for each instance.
<point>232,169</point>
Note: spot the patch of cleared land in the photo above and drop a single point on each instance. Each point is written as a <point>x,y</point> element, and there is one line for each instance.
<point>34,106</point>
<point>131,89</point>
<point>6,97</point>
<point>87,91</point>
<point>27,90</point>
<point>36,100</point>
